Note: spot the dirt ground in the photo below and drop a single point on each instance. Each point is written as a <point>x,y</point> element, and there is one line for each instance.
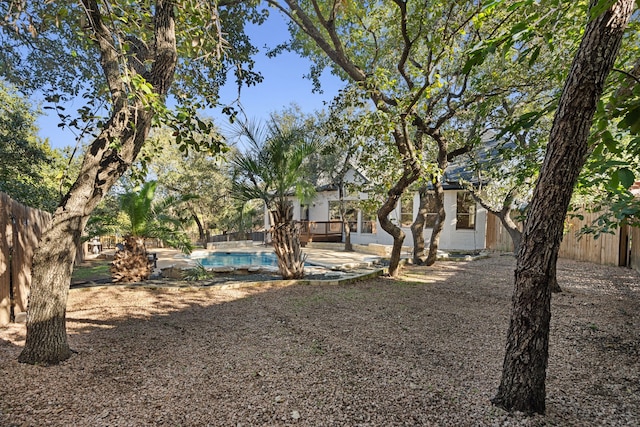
<point>423,350</point>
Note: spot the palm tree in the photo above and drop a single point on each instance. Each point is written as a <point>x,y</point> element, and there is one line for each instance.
<point>147,219</point>
<point>272,170</point>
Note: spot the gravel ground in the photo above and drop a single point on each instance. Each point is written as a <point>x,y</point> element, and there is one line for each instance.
<point>424,350</point>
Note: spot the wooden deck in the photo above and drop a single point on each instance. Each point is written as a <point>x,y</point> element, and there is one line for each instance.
<point>320,231</point>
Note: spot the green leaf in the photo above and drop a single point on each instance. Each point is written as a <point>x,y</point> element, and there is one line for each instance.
<point>600,7</point>
<point>609,142</point>
<point>477,58</point>
<point>597,152</point>
<point>534,56</point>
<point>626,177</point>
<point>631,121</point>
<point>614,182</point>
<point>494,3</point>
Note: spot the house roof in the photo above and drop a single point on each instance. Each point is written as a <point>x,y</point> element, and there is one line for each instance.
<point>324,184</point>
<point>455,175</point>
<point>459,171</point>
<point>327,187</point>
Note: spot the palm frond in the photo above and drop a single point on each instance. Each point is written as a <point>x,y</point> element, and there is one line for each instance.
<point>137,207</point>
<point>175,238</point>
<point>156,220</point>
<point>273,169</point>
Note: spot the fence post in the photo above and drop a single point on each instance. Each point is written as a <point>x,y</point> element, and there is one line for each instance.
<point>20,260</point>
<point>5,271</point>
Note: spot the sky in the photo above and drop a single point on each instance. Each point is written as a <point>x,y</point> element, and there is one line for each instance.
<point>283,85</point>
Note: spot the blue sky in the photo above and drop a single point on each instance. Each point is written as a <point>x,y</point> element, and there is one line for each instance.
<point>283,85</point>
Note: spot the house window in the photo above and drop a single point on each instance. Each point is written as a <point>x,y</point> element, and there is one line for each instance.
<point>465,211</point>
<point>351,214</point>
<point>369,215</point>
<point>406,210</point>
<point>432,211</point>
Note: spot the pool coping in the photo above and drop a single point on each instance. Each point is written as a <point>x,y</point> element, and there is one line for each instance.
<point>310,259</point>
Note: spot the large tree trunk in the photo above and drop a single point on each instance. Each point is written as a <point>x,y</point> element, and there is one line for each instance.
<point>286,243</point>
<point>103,165</point>
<point>51,274</point>
<point>436,179</point>
<point>417,227</point>
<point>60,241</point>
<point>522,386</point>
<point>396,232</point>
<point>410,173</point>
<point>202,237</point>
<point>434,242</point>
<point>348,247</point>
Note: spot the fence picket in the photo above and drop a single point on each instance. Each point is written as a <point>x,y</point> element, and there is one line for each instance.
<point>20,265</point>
<point>604,250</point>
<point>5,272</point>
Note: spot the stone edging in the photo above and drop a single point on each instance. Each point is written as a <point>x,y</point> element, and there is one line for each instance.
<point>191,285</point>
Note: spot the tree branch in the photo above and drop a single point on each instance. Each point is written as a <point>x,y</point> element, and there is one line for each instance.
<point>108,53</point>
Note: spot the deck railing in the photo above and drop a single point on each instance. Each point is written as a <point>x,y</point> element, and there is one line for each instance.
<point>320,231</point>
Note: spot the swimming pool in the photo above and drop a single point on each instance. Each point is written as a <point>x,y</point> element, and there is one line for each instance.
<point>236,259</point>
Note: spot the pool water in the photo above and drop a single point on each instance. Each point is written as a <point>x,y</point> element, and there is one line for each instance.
<point>236,259</point>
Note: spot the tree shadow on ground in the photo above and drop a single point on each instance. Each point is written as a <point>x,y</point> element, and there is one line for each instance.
<point>424,350</point>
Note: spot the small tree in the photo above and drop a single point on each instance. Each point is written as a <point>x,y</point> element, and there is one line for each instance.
<point>146,220</point>
<point>271,170</point>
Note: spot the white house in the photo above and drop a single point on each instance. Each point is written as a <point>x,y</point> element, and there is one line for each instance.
<point>464,228</point>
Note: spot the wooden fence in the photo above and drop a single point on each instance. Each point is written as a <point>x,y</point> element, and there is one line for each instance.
<point>256,236</point>
<point>20,231</point>
<point>603,250</point>
<point>634,253</point>
<point>621,248</point>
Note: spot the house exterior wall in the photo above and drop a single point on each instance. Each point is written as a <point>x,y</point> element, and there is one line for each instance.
<point>450,239</point>
<point>319,208</point>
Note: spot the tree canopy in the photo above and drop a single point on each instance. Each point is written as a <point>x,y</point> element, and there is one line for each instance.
<point>433,72</point>
<point>27,164</point>
<point>199,173</point>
